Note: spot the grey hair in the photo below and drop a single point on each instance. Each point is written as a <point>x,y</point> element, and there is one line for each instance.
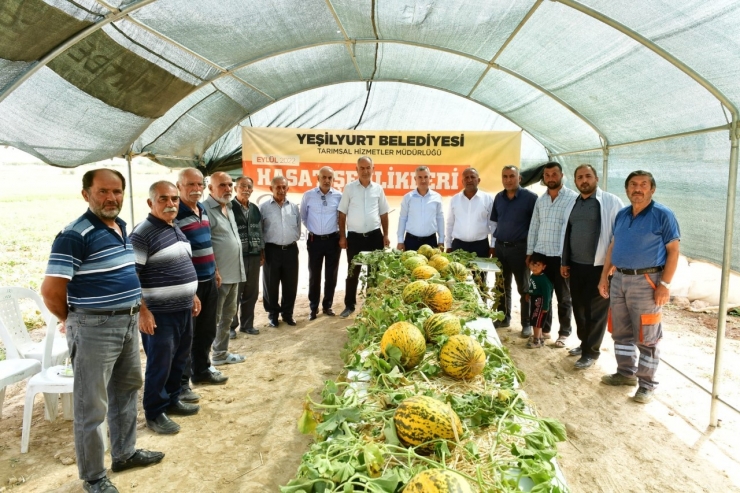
<point>157,184</point>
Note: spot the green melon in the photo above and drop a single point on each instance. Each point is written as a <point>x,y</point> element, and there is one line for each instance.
<point>420,419</point>
<point>458,271</point>
<point>415,261</point>
<point>407,254</point>
<point>441,324</point>
<point>462,357</point>
<point>427,251</point>
<point>413,291</point>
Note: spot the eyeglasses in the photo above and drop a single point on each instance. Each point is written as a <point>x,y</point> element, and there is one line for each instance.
<point>323,199</point>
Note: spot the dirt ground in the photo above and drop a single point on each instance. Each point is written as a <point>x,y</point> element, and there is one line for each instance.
<point>245,437</point>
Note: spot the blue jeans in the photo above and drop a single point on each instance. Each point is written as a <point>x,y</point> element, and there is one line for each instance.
<point>167,352</point>
<point>107,372</point>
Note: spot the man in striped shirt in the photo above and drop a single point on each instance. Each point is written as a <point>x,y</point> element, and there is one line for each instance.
<point>168,286</point>
<point>545,236</point>
<point>92,288</point>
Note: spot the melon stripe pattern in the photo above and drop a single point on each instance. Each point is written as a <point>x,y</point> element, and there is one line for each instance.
<point>462,357</point>
<point>441,324</point>
<point>438,481</point>
<point>420,419</point>
<point>408,339</point>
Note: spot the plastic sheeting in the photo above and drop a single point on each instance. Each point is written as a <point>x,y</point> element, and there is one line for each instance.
<point>84,80</point>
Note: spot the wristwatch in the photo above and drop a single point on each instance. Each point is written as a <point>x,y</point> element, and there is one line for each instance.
<point>666,284</point>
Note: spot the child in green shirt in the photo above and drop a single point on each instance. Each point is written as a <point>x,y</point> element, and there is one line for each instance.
<point>539,296</point>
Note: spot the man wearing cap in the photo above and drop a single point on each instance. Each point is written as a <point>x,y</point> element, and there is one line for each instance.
<point>92,288</point>
<point>320,217</point>
<point>644,253</point>
<point>422,221</point>
<point>281,226</point>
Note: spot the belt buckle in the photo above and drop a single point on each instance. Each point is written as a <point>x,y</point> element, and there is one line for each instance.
<point>365,234</point>
<point>132,311</point>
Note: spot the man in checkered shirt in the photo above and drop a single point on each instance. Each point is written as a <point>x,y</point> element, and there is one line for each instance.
<point>546,237</point>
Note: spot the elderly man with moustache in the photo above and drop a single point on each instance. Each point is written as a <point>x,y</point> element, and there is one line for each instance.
<point>281,226</point>
<point>363,211</point>
<point>512,212</point>
<point>249,222</point>
<point>92,288</point>
<point>168,286</point>
<point>546,237</point>
<point>422,221</point>
<point>227,248</point>
<point>644,254</point>
<point>588,233</point>
<point>319,215</point>
<point>192,219</point>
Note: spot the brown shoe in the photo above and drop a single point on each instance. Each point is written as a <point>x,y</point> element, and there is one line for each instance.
<point>619,379</point>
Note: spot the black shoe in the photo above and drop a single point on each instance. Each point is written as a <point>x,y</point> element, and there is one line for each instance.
<point>251,331</point>
<point>182,409</point>
<point>187,395</point>
<point>500,324</point>
<point>328,311</point>
<point>141,458</point>
<point>584,362</point>
<point>102,486</point>
<point>347,312</point>
<point>162,425</point>
<point>312,315</point>
<point>273,321</point>
<point>576,351</point>
<point>210,377</point>
<point>289,320</point>
<point>232,334</point>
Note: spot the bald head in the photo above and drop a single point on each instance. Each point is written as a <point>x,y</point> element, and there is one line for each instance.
<point>326,179</point>
<point>221,187</point>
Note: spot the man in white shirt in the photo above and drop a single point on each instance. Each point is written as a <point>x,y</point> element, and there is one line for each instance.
<point>320,217</point>
<point>363,211</point>
<point>468,218</point>
<point>422,221</point>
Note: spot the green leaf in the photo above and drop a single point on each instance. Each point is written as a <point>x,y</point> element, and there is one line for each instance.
<point>307,423</point>
<point>389,431</point>
<point>373,459</point>
<point>556,428</point>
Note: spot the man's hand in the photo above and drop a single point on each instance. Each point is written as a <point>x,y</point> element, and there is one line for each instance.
<point>343,242</point>
<point>441,246</point>
<point>218,279</point>
<point>62,327</point>
<point>565,271</point>
<point>146,321</point>
<point>196,305</point>
<point>400,246</point>
<point>491,252</point>
<point>526,260</point>
<point>604,287</point>
<point>662,295</point>
<point>386,241</point>
<point>448,250</point>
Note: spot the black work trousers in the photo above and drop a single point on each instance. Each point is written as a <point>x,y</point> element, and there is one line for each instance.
<point>280,269</point>
<point>561,288</point>
<point>247,295</point>
<point>479,247</point>
<point>204,331</point>
<point>411,242</point>
<point>323,251</point>
<point>590,309</point>
<point>356,243</point>
<point>513,264</point>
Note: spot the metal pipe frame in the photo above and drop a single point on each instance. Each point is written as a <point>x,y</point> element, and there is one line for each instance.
<point>726,264</point>
<point>130,190</point>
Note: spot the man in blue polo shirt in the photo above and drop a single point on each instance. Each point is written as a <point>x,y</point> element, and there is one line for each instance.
<point>644,253</point>
<point>168,285</point>
<point>92,287</point>
<point>512,212</point>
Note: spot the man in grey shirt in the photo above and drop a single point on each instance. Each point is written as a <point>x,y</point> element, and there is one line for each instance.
<point>281,227</point>
<point>588,232</point>
<point>227,248</point>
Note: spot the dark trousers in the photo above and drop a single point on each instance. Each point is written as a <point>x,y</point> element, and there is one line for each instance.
<point>167,352</point>
<point>247,294</point>
<point>590,309</point>
<point>356,243</point>
<point>479,247</point>
<point>281,268</point>
<point>513,264</point>
<point>204,331</point>
<point>322,250</point>
<point>411,242</point>
<point>561,288</point>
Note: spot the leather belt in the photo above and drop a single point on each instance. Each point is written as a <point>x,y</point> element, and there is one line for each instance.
<point>324,237</point>
<point>414,237</point>
<point>511,243</point>
<point>110,313</point>
<point>369,233</point>
<point>637,272</point>
<point>282,247</point>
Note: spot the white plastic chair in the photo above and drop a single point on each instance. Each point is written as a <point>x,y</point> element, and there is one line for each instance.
<point>13,330</point>
<point>52,382</point>
<point>15,369</point>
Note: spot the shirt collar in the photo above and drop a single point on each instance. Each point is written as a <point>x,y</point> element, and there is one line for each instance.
<point>90,216</point>
<point>158,222</point>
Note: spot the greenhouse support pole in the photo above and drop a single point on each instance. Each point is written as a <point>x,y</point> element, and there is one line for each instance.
<point>604,182</point>
<point>130,190</point>
<point>726,264</point>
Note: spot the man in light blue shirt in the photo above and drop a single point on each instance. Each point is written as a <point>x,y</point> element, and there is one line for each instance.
<point>422,221</point>
<point>319,216</point>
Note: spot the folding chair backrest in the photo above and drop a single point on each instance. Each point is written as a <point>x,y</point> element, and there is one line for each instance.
<point>13,330</point>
